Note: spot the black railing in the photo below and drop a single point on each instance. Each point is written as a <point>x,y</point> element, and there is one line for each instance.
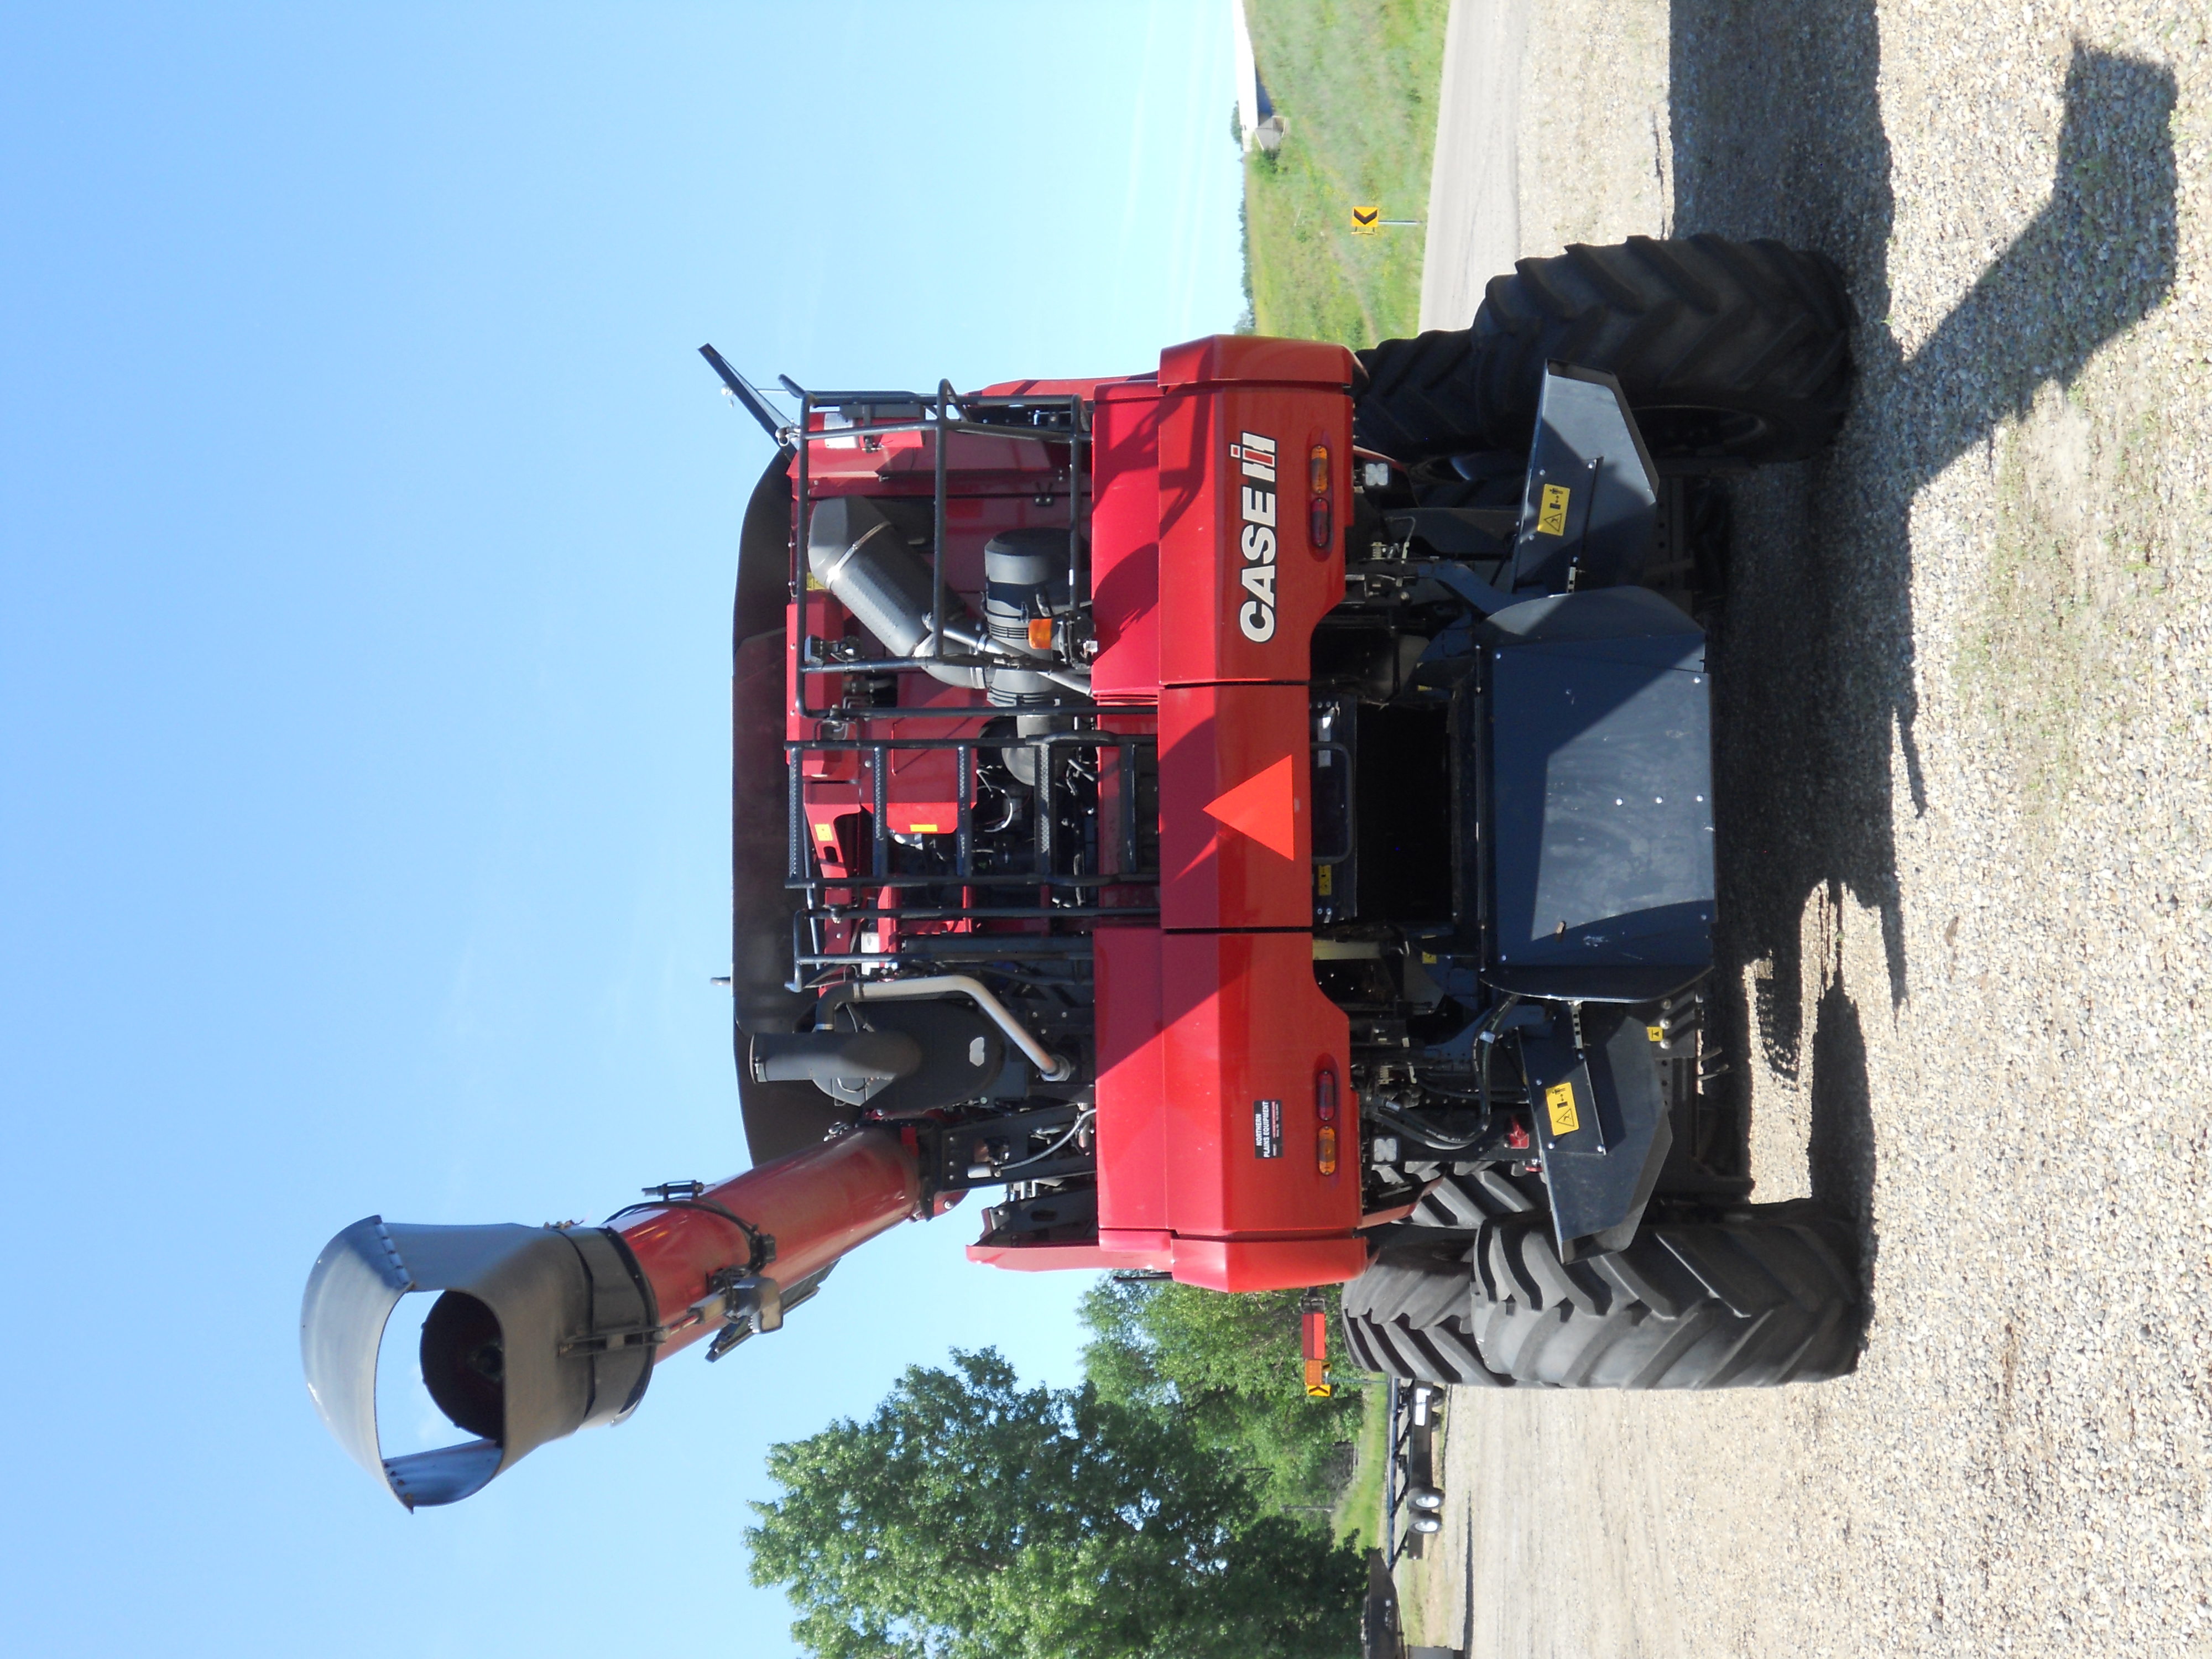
<point>1123,853</point>
<point>1054,420</point>
<point>1079,867</point>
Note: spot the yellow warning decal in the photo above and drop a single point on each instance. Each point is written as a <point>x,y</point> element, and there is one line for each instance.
<point>927,829</point>
<point>1656,1033</point>
<point>1551,511</point>
<point>1324,880</point>
<point>1559,1103</point>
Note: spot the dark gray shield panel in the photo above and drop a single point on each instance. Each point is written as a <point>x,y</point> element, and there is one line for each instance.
<point>1600,1125</point>
<point>1588,515</point>
<point>1601,803</point>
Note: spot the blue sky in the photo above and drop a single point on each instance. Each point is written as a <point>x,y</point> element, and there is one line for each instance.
<point>366,524</point>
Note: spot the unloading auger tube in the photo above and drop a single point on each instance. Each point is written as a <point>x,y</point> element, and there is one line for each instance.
<point>540,1331</point>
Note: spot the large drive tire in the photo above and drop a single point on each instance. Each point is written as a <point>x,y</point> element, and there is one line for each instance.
<point>1730,354</point>
<point>1756,1298</point>
<point>1411,1315</point>
<point>1464,1196</point>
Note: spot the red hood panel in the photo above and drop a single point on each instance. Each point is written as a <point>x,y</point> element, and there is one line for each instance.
<point>1248,1038</point>
<point>1236,807</point>
<point>1222,496</point>
<point>1243,578</point>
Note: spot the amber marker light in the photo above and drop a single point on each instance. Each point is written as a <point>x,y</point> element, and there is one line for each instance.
<point>1317,520</point>
<point>1325,1110</point>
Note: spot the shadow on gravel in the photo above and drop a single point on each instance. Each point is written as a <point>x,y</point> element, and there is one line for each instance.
<point>1778,131</point>
<point>1841,1154</point>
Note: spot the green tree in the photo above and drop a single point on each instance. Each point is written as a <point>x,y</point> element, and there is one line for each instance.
<point>971,1518</point>
<point>1232,1367</point>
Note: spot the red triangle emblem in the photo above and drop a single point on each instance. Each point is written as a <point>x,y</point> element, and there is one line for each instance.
<point>1263,808</point>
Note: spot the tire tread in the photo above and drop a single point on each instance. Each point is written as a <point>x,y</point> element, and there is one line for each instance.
<point>1699,320</point>
<point>1756,1297</point>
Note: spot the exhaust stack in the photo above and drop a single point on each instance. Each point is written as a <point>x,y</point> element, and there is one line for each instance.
<point>541,1331</point>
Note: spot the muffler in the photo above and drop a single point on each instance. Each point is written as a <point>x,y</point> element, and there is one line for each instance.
<point>853,550</point>
<point>859,555</point>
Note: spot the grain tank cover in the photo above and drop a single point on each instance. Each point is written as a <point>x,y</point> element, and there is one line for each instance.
<point>540,1331</point>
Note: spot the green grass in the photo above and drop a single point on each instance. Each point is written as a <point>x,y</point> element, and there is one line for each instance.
<point>1356,85</point>
<point>1357,1517</point>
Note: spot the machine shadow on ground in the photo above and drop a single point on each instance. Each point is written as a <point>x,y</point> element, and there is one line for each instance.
<point>1778,131</point>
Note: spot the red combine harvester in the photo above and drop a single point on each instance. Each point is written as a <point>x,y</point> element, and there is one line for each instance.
<point>1258,814</point>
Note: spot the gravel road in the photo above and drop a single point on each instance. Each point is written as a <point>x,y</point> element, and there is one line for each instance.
<point>1474,223</point>
<point>1965,740</point>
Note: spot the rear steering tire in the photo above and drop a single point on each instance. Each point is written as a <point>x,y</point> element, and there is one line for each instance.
<point>1756,1297</point>
<point>1731,354</point>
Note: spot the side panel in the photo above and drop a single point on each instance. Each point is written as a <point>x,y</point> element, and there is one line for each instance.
<point>1125,544</point>
<point>1248,1035</point>
<point>1132,1136</point>
<point>1236,795</point>
<point>1252,357</point>
<point>1268,1264</point>
<point>1093,1258</point>
<point>1251,557</point>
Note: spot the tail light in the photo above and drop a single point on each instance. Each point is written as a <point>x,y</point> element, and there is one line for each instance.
<point>1313,1319</point>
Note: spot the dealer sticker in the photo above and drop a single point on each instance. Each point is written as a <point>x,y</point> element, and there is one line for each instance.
<point>1267,1128</point>
<point>1560,1105</point>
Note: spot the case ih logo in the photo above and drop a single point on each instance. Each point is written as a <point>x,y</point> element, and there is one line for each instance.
<point>1256,456</point>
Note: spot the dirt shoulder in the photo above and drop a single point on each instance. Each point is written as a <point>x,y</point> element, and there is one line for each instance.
<point>1963,744</point>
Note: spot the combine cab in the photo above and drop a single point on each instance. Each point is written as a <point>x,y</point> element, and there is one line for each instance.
<point>1255,819</point>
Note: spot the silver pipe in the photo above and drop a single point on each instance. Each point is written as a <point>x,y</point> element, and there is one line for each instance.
<point>1050,1066</point>
<point>1074,679</point>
